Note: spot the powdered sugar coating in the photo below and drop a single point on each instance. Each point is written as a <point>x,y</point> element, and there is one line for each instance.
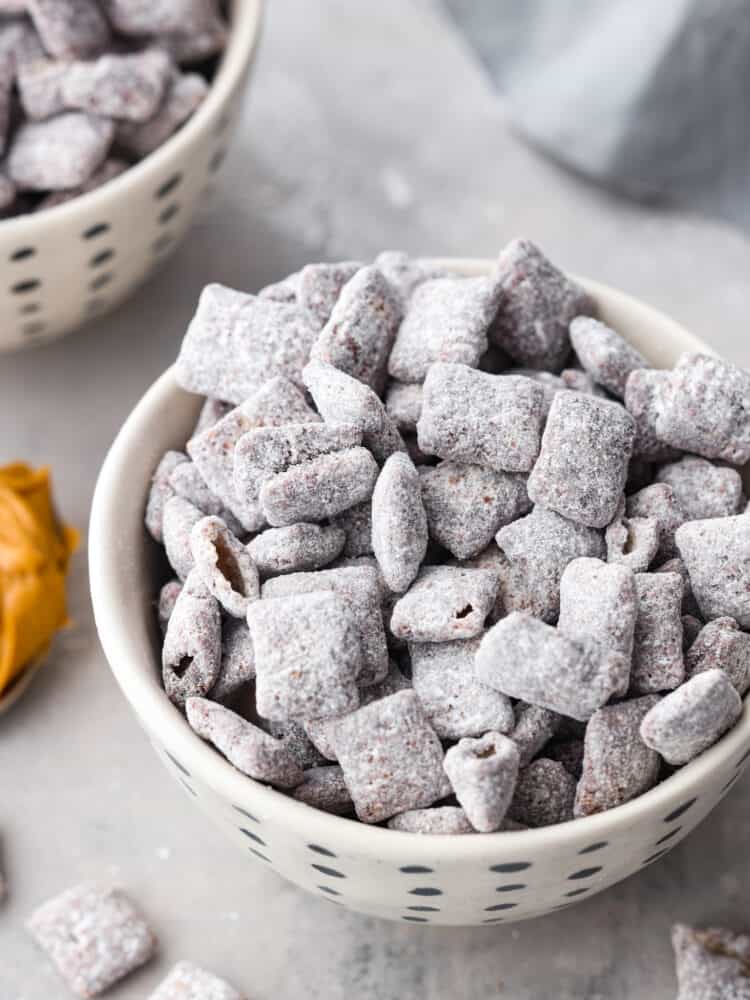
<point>212,411</point>
<point>445,603</point>
<point>483,774</point>
<point>161,491</point>
<point>605,355</point>
<point>94,936</point>
<point>224,565</point>
<point>632,541</point>
<point>138,17</point>
<point>657,650</point>
<point>189,982</point>
<point>324,788</point>
<point>188,483</point>
<point>167,599</point>
<point>70,29</point>
<point>59,153</point>
<point>185,93</point>
<point>191,654</point>
<point>298,547</point>
<point>319,288</point>
<point>443,820</point>
<point>544,794</point>
<point>129,87</point>
<point>534,728</point>
<point>703,489</point>
<point>691,719</point>
<point>356,523</point>
<point>178,520</point>
<point>711,964</point>
<point>237,659</point>
<point>643,392</point>
<point>399,523</point>
<point>717,555</point>
<point>659,502</point>
<point>720,644</point>
<point>405,273</point>
<point>39,84</point>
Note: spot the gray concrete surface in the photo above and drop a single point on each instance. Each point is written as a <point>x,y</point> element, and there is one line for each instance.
<point>367,126</point>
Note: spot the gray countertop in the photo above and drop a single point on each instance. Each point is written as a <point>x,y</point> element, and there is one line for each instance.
<point>367,126</point>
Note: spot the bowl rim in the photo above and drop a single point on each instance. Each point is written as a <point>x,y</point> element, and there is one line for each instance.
<point>243,36</point>
<point>159,716</point>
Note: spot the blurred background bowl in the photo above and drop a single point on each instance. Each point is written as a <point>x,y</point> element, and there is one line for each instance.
<point>64,265</point>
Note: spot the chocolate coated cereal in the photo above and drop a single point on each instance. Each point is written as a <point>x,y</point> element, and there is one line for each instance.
<point>483,774</point>
<point>717,555</point>
<point>237,659</point>
<point>178,520</point>
<point>534,728</point>
<point>399,523</point>
<point>721,644</point>
<point>191,655</point>
<point>161,491</point>
<point>643,391</point>
<point>703,489</point>
<point>324,788</point>
<point>403,403</point>
<point>224,565</point>
<point>59,153</point>
<point>445,603</point>
<point>605,355</point>
<point>319,288</point>
<point>70,29</point>
<point>711,964</point>
<point>657,651</point>
<point>442,820</point>
<point>299,547</point>
<point>189,982</point>
<point>544,794</point>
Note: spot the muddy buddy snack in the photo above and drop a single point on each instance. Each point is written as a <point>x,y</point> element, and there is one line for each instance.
<point>442,553</point>
<point>189,982</point>
<point>87,90</point>
<point>711,964</point>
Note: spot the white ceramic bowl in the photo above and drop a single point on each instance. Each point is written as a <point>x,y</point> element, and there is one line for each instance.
<point>479,879</point>
<point>62,266</point>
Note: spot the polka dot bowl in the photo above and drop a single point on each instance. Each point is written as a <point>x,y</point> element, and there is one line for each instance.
<point>482,879</point>
<point>63,266</point>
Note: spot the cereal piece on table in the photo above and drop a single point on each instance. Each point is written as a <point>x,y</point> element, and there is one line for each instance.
<point>212,411</point>
<point>583,460</point>
<point>319,288</point>
<point>643,392</point>
<point>184,95</point>
<point>237,659</point>
<point>632,541</point>
<point>356,523</point>
<point>361,329</point>
<point>466,505</point>
<point>717,555</point>
<point>705,408</point>
<point>358,588</point>
<point>489,420</point>
<point>225,566</point>
<point>178,521</point>
<point>537,548</point>
<point>569,753</point>
<point>617,764</point>
<point>544,794</point>
<point>537,306</point>
<point>445,603</point>
<point>446,319</point>
<point>605,355</point>
<point>442,820</point>
<point>657,649</point>
<point>62,152</point>
<point>403,404</point>
<point>161,491</point>
<point>483,774</point>
<point>70,29</point>
<point>711,964</point>
<point>236,342</point>
<point>524,658</point>
<point>691,719</point>
<point>405,273</point>
<point>167,599</point>
<point>691,628</point>
<point>534,728</point>
<point>721,644</point>
<point>659,502</point>
<point>455,702</point>
<point>110,169</point>
<point>399,523</point>
<point>40,87</point>
<point>191,655</point>
<point>244,745</point>
<point>702,489</point>
<point>319,489</point>
<point>189,982</point>
<point>130,86</point>
<point>307,656</point>
<point>324,788</point>
<point>391,758</point>
<point>296,548</point>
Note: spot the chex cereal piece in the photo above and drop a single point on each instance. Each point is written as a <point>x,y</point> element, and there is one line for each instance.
<point>717,555</point>
<point>702,489</point>
<point>676,565</point>
<point>689,720</point>
<point>235,342</point>
<point>189,982</point>
<point>632,541</point>
<point>358,588</point>
<point>178,520</point>
<point>225,566</point>
<point>185,92</point>
<point>442,820</point>
<point>466,505</point>
<point>446,319</point>
<point>212,411</point>
<point>160,16</point>
<point>110,169</point>
<point>605,355</point>
<point>324,788</point>
<point>483,774</point>
<point>550,384</point>
<point>161,491</point>
<point>691,628</point>
<point>538,304</point>
<point>455,702</point>
<point>296,548</point>
<point>705,408</point>
<point>569,753</point>
<point>191,654</point>
<point>195,46</point>
<point>711,964</point>
<point>130,86</point>
<point>391,758</point>
<point>657,650</point>
<point>403,403</point>
<point>534,728</point>
<point>538,547</point>
<point>319,489</point>
<point>244,745</point>
<point>524,658</point>
<point>295,739</point>
<point>599,602</point>
<point>544,794</point>
<point>643,391</point>
<point>721,644</point>
<point>583,461</point>
<point>70,29</point>
<point>405,273</point>
<point>356,523</point>
<point>319,289</point>
<point>445,603</point>
<point>617,764</point>
<point>659,502</point>
<point>62,152</point>
<point>399,523</point>
<point>167,599</point>
<point>237,659</point>
<point>361,329</point>
<point>40,87</point>
<point>93,935</point>
<point>490,420</point>
<point>188,483</point>
<point>307,656</point>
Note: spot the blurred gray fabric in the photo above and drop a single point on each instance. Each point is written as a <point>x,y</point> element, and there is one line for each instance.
<point>648,97</point>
